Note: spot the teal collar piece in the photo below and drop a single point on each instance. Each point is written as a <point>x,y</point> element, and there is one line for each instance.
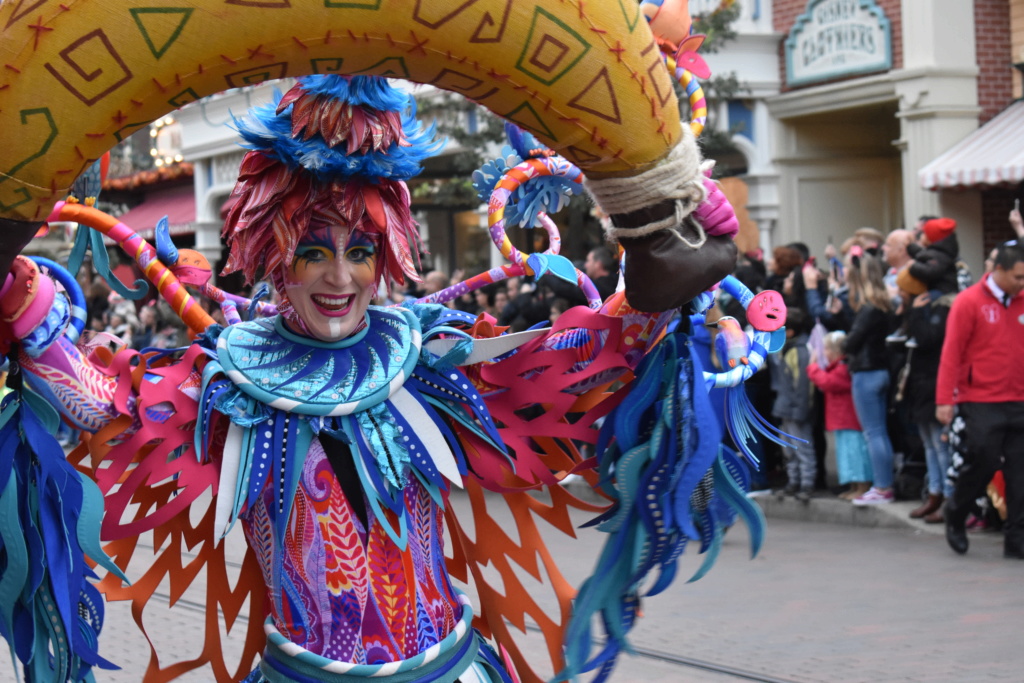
<point>300,375</point>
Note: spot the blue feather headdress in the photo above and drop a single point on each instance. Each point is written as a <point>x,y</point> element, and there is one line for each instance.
<point>342,127</point>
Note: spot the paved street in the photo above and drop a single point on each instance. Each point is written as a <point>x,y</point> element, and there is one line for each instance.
<point>823,602</point>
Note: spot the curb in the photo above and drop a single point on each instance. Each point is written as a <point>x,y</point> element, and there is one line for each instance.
<point>835,511</point>
<point>821,508</point>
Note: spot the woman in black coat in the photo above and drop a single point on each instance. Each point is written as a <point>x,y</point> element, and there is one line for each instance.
<point>869,367</point>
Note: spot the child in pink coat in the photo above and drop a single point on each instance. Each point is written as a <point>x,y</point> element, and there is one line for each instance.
<point>834,380</point>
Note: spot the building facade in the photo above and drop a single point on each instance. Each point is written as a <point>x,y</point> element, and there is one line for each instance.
<point>872,92</point>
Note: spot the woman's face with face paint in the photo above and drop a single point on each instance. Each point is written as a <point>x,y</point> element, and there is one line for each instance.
<point>331,280</point>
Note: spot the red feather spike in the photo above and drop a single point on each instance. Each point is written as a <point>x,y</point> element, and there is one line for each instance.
<point>301,113</point>
<point>350,113</point>
<point>323,116</point>
<point>393,127</point>
<point>401,263</point>
<point>283,179</point>
<point>290,205</point>
<point>352,204</point>
<point>344,126</point>
<point>355,139</point>
<point>314,125</point>
<point>289,97</point>
<point>267,191</point>
<point>329,122</point>
<point>377,135</point>
<point>253,164</point>
<point>282,236</point>
<point>375,207</point>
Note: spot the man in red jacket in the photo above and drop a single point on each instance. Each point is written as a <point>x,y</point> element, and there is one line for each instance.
<point>980,372</point>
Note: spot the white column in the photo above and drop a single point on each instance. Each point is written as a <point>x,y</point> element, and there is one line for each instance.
<point>763,207</point>
<point>208,222</point>
<point>937,90</point>
<point>763,178</point>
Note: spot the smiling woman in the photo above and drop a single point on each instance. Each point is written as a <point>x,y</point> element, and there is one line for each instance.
<point>330,282</point>
<point>332,153</point>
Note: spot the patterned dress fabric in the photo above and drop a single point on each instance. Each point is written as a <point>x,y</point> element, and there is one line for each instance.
<point>347,591</point>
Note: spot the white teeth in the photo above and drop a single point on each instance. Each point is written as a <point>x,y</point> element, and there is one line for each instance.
<point>331,300</point>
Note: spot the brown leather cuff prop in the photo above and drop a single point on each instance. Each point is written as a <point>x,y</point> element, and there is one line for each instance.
<point>14,235</point>
<point>662,271</point>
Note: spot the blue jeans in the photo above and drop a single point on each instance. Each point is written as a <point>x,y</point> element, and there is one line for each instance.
<point>937,455</point>
<point>870,399</point>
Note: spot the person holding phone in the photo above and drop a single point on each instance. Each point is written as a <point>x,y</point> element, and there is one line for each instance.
<point>869,367</point>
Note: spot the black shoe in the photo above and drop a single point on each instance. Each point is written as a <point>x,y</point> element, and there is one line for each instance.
<point>956,532</point>
<point>1013,550</point>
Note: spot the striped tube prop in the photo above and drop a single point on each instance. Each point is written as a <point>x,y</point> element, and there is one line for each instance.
<point>509,183</point>
<point>181,302</point>
<point>74,292</point>
<point>695,93</point>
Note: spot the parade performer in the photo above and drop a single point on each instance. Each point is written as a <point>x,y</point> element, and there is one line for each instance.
<point>333,431</point>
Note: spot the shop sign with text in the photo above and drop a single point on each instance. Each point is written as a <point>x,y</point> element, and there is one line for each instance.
<point>836,38</point>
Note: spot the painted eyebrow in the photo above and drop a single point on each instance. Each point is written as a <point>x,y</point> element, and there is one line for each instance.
<point>318,238</point>
<point>358,238</point>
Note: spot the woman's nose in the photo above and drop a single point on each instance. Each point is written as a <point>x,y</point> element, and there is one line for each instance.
<point>339,273</point>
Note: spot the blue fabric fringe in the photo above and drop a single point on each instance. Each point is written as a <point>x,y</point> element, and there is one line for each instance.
<point>745,423</point>
<point>661,461</point>
<point>49,522</point>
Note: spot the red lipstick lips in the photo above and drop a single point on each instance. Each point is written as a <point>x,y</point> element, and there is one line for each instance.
<point>333,306</point>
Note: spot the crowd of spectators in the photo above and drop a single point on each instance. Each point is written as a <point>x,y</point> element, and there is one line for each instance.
<point>866,336</point>
<point>521,303</point>
<point>865,333</point>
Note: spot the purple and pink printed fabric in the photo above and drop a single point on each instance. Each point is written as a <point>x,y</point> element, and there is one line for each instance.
<point>347,591</point>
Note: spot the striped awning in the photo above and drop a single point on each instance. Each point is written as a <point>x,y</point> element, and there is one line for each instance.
<point>991,155</point>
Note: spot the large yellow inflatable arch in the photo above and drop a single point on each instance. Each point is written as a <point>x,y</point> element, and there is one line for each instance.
<point>78,76</point>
